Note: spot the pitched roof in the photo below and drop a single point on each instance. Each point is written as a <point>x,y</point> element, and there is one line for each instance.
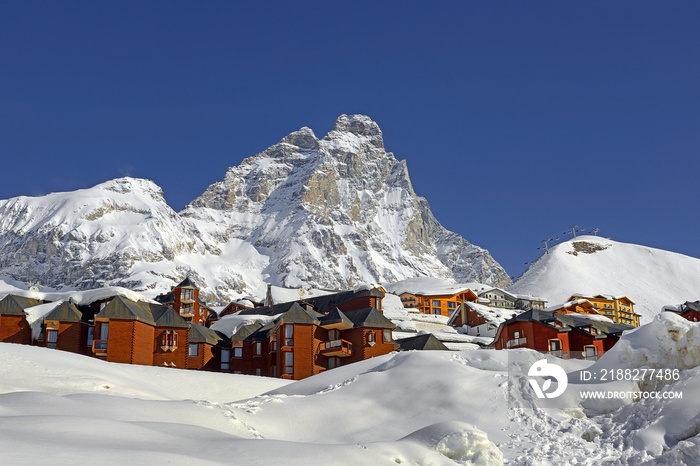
<point>65,312</point>
<point>166,316</point>
<point>187,283</point>
<point>369,317</point>
<point>201,334</point>
<point>157,315</point>
<point>268,310</point>
<point>426,341</point>
<point>13,304</point>
<point>336,316</point>
<point>246,331</point>
<point>330,301</point>
<point>298,315</point>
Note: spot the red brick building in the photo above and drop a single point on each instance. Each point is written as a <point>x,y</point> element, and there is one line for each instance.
<point>304,341</point>
<point>184,298</point>
<point>561,335</point>
<point>65,328</point>
<point>14,327</point>
<point>205,347</point>
<point>141,333</point>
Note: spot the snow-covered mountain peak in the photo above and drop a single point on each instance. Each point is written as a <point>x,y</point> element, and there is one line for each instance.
<point>327,213</point>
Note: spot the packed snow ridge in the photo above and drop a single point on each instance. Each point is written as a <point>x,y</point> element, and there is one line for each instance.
<point>331,213</point>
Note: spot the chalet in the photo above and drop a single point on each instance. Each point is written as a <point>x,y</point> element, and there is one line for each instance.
<point>235,306</point>
<point>479,320</point>
<point>67,328</point>
<point>140,332</point>
<point>527,302</point>
<point>688,310</point>
<point>184,298</point>
<point>562,335</point>
<point>423,342</point>
<point>302,342</point>
<point>442,302</point>
<point>205,348</point>
<point>499,298</point>
<point>14,327</point>
<point>618,308</point>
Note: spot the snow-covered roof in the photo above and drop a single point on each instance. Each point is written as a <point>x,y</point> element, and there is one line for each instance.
<point>568,304</point>
<point>429,286</point>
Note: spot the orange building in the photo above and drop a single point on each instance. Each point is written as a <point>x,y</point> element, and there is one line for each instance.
<point>184,298</point>
<point>310,337</point>
<point>440,302</point>
<point>14,327</point>
<point>144,333</point>
<point>619,309</point>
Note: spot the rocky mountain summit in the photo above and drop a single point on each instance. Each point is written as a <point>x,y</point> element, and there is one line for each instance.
<point>332,212</point>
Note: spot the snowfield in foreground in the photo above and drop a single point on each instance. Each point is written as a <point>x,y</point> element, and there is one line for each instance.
<point>452,407</point>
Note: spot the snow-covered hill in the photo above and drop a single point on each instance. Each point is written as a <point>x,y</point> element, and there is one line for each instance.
<point>327,213</point>
<point>650,277</point>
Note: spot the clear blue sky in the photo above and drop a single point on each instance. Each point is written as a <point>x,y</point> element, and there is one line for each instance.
<point>516,119</point>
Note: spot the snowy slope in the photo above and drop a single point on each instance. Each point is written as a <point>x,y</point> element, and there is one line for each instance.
<point>650,277</point>
<point>427,407</point>
<point>329,213</point>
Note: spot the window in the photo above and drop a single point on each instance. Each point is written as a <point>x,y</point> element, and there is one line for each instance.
<point>257,372</point>
<point>258,348</point>
<point>169,338</point>
<point>238,350</point>
<point>51,338</point>
<point>104,331</point>
<point>437,311</point>
<point>289,362</point>
<point>554,345</point>
<point>387,336</point>
<point>436,303</point>
<point>333,334</point>
<point>451,305</point>
<point>187,295</point>
<point>591,352</point>
<point>333,363</point>
<point>371,338</point>
<point>274,371</point>
<point>194,349</point>
<point>91,335</point>
<point>289,335</point>
<point>516,335</point>
<point>225,359</point>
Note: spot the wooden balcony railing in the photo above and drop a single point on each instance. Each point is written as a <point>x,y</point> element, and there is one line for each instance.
<point>340,348</point>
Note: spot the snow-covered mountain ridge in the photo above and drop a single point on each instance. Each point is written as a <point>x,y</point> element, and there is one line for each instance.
<point>331,212</point>
<point>592,265</point>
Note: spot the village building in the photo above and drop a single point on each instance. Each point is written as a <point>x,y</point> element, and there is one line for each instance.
<point>422,342</point>
<point>302,342</point>
<point>14,327</point>
<point>141,332</point>
<point>205,348</point>
<point>478,319</point>
<point>498,298</point>
<point>67,328</point>
<point>527,302</point>
<point>618,308</point>
<point>310,336</point>
<point>184,298</point>
<point>441,302</point>
<point>570,335</point>
<point>688,310</point>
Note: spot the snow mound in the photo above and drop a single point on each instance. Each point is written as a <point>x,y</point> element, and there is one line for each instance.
<point>463,443</point>
<point>668,342</point>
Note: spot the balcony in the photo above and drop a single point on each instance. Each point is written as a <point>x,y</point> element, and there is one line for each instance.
<point>99,346</point>
<point>516,342</point>
<point>339,348</point>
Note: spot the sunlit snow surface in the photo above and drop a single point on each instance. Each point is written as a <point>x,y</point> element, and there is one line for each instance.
<point>429,407</point>
<point>650,277</point>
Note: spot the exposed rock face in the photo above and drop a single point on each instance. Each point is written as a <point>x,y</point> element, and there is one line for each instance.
<point>329,213</point>
<point>335,212</point>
